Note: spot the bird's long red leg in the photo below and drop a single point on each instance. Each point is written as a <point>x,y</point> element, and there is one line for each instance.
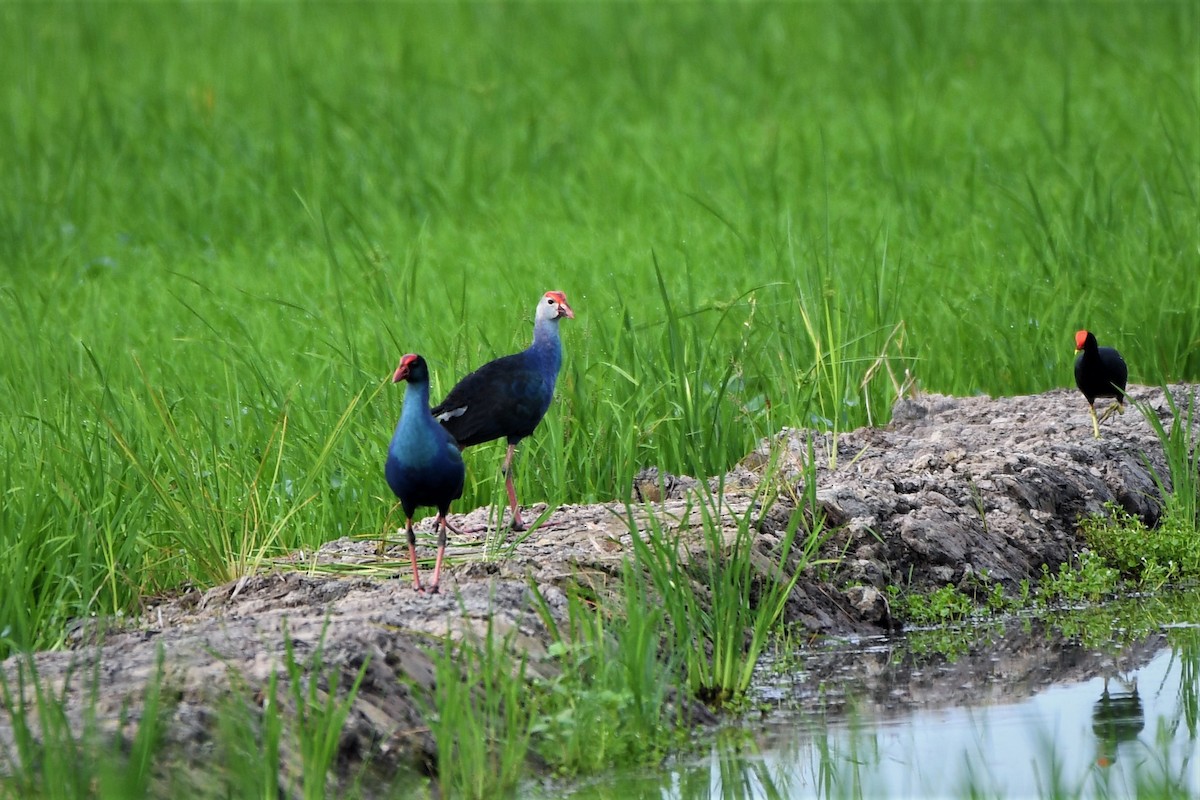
<point>412,555</point>
<point>518,524</point>
<point>441,553</point>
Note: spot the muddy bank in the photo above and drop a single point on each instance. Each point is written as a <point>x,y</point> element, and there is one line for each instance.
<point>955,490</point>
<point>1000,661</point>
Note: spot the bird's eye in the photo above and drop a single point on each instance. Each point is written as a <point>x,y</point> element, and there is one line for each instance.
<point>549,301</point>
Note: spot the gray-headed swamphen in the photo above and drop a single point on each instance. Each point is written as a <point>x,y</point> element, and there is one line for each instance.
<point>509,396</point>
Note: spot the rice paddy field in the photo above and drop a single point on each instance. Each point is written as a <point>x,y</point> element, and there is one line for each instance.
<point>222,223</point>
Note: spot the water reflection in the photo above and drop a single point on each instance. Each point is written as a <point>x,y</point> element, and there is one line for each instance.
<point>1033,710</point>
<point>1117,717</point>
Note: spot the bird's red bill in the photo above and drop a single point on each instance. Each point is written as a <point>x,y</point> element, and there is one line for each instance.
<point>406,363</point>
<point>561,299</point>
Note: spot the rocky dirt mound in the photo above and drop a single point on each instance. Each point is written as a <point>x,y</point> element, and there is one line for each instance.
<point>952,488</point>
<point>966,490</point>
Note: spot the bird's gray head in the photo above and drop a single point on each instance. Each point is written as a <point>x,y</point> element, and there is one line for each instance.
<point>552,306</point>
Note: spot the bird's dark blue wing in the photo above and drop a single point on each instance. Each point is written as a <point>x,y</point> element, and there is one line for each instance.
<point>505,398</point>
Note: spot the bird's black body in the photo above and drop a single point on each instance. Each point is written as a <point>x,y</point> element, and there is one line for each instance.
<point>424,466</point>
<point>1099,372</point>
<point>507,398</point>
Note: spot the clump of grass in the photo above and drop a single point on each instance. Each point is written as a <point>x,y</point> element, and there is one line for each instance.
<point>224,517</point>
<point>481,715</point>
<point>1181,501</point>
<point>611,703</point>
<point>319,713</point>
<point>248,740</point>
<point>268,743</point>
<point>722,605</point>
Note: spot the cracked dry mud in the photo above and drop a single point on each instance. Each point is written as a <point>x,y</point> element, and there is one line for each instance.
<point>952,490</point>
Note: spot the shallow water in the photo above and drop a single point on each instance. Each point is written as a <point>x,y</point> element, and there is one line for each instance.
<point>1027,710</point>
<point>1073,736</point>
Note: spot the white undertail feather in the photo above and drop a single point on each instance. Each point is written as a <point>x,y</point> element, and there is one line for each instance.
<point>451,414</point>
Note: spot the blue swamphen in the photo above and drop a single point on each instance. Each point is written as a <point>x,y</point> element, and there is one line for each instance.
<point>1099,372</point>
<point>509,396</point>
<point>424,466</point>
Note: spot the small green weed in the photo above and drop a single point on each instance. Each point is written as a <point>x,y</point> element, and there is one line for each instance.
<point>1147,557</point>
<point>950,604</point>
<point>1089,581</point>
<point>939,607</point>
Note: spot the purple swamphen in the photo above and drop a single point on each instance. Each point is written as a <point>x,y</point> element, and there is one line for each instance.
<point>509,396</point>
<point>1099,372</point>
<point>424,465</point>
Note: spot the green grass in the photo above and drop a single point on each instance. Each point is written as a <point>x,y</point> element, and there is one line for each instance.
<point>1180,487</point>
<point>222,224</point>
<point>614,702</point>
<point>55,756</point>
<point>481,715</point>
<point>724,599</point>
<point>51,757</point>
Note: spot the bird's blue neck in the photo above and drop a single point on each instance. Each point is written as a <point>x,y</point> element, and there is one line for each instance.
<point>416,402</point>
<point>547,347</point>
